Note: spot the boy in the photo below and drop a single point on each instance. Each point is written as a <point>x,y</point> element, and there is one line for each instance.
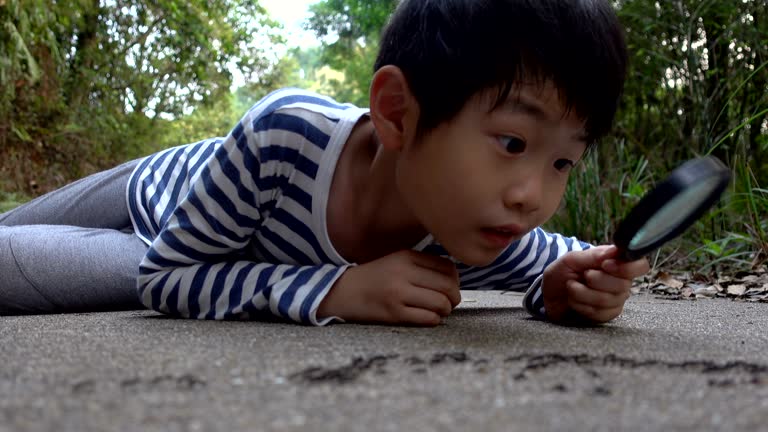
<point>316,211</point>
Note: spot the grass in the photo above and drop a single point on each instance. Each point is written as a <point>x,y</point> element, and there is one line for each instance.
<point>11,200</point>
<point>600,193</point>
<point>731,237</point>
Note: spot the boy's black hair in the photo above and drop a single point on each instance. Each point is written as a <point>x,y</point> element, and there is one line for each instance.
<point>449,50</point>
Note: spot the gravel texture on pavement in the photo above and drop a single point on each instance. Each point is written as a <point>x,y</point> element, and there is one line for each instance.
<point>663,365</point>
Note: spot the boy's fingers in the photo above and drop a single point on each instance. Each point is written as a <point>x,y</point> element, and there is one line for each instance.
<point>584,295</point>
<point>445,287</point>
<point>626,270</point>
<point>437,274</point>
<point>434,301</point>
<point>591,258</point>
<point>597,314</point>
<point>436,263</point>
<point>606,282</point>
<point>419,316</point>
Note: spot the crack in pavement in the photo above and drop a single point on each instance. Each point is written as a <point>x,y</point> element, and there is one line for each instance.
<point>347,373</point>
<point>540,361</point>
<point>186,382</point>
<point>756,374</point>
<point>378,363</point>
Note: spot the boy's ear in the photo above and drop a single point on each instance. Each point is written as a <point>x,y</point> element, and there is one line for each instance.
<point>394,110</point>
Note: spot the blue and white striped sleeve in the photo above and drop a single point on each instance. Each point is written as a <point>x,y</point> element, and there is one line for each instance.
<point>522,265</point>
<point>195,268</point>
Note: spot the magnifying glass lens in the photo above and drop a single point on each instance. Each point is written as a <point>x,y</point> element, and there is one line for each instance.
<point>673,213</point>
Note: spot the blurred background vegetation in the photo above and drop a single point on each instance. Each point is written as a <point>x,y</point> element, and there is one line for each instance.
<point>86,84</point>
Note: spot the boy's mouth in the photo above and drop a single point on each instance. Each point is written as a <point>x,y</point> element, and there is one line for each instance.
<point>502,236</point>
<point>511,229</point>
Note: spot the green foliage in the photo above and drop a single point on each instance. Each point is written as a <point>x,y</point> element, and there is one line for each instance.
<point>730,102</point>
<point>697,75</point>
<point>9,201</point>
<point>697,85</point>
<point>208,121</point>
<point>356,25</point>
<point>592,206</point>
<point>216,119</point>
<point>87,83</point>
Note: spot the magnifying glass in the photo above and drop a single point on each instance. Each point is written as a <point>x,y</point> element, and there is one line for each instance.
<point>671,207</point>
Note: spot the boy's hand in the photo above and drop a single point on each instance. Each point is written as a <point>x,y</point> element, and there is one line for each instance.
<point>406,287</point>
<point>590,283</point>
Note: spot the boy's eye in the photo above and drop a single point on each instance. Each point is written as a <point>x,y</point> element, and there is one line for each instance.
<point>563,164</point>
<point>512,144</point>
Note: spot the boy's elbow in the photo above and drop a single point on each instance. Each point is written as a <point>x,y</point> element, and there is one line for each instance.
<point>150,288</point>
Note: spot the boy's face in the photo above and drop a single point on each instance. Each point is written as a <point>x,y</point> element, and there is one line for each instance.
<point>486,178</point>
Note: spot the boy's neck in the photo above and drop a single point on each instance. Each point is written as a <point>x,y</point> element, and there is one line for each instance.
<point>367,218</point>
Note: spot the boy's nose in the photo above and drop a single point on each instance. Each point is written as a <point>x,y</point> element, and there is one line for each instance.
<point>525,193</point>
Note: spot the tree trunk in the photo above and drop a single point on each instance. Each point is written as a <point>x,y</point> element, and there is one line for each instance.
<point>758,92</point>
<point>82,62</point>
<point>716,20</point>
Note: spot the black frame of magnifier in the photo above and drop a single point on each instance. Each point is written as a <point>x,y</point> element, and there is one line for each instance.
<point>683,177</point>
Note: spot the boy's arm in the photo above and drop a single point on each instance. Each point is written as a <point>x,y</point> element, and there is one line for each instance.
<point>590,285</point>
<point>521,267</point>
<point>533,300</point>
<point>570,279</point>
<point>237,290</point>
<point>556,246</point>
<point>195,266</point>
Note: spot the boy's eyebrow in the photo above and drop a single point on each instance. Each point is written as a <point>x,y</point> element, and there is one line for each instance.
<point>521,104</point>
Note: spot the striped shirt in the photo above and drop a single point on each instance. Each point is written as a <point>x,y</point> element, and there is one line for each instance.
<point>236,226</point>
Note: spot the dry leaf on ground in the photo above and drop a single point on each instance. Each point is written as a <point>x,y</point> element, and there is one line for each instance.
<point>737,290</point>
<point>669,281</point>
<point>750,286</point>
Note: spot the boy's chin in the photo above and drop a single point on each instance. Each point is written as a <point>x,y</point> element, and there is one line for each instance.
<point>474,259</point>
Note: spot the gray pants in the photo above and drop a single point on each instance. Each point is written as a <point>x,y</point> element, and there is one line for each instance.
<point>73,249</point>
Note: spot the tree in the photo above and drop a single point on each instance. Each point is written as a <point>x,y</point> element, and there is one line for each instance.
<point>698,77</point>
<point>217,118</point>
<point>93,79</point>
<point>356,25</point>
<point>697,85</point>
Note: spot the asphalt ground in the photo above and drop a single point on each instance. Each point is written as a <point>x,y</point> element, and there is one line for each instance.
<point>663,365</point>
